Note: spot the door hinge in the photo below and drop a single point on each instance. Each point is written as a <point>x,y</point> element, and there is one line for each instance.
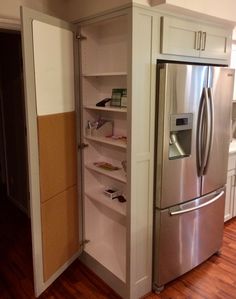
<point>84,242</point>
<point>82,146</point>
<point>80,37</point>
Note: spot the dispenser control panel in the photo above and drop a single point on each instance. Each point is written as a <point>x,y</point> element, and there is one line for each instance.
<point>180,122</point>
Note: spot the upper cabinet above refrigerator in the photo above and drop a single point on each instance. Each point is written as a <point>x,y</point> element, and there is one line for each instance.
<point>189,38</point>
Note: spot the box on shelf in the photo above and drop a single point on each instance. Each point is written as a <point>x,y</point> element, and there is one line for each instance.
<point>112,192</point>
<point>119,97</point>
<point>104,130</point>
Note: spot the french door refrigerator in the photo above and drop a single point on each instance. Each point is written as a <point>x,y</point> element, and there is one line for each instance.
<point>192,141</point>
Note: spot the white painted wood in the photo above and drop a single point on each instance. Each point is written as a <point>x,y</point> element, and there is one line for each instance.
<point>28,16</point>
<point>54,68</point>
<point>116,174</point>
<point>106,140</point>
<point>194,39</point>
<point>179,37</point>
<point>113,204</point>
<point>103,39</point>
<point>104,67</point>
<point>230,194</point>
<point>143,69</point>
<point>106,233</point>
<point>217,43</point>
<point>105,74</point>
<point>107,108</point>
<point>231,162</point>
<point>97,88</point>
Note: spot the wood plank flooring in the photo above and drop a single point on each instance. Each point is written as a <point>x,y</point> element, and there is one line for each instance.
<point>216,278</point>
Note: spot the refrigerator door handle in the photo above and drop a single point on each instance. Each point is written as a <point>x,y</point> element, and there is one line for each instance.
<point>203,137</point>
<point>198,207</point>
<point>211,128</point>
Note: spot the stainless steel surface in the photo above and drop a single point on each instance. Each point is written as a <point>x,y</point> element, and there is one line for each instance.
<point>182,211</point>
<point>221,84</point>
<point>180,90</point>
<point>184,241</point>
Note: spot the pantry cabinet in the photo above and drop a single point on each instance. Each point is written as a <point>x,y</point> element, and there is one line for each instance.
<point>79,151</point>
<point>189,38</point>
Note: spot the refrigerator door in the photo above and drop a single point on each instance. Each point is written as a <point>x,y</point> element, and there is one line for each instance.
<point>186,235</point>
<point>220,94</point>
<point>179,93</point>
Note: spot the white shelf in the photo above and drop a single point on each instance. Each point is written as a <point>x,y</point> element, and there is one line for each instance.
<point>114,174</point>
<point>106,108</point>
<point>104,74</point>
<point>97,195</point>
<point>110,141</point>
<point>109,257</point>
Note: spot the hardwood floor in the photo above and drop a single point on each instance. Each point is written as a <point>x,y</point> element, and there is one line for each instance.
<point>216,278</point>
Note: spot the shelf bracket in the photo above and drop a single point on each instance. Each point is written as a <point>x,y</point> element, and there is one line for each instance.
<point>82,146</point>
<point>80,37</point>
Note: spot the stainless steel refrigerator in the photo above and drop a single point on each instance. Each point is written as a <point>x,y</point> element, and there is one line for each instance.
<point>192,141</point>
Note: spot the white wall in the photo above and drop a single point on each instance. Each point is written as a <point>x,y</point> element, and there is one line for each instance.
<point>10,9</point>
<point>77,9</point>
<point>225,9</point>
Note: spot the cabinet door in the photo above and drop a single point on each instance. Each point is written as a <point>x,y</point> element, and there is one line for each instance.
<point>229,195</point>
<point>51,127</point>
<point>179,37</point>
<point>215,43</point>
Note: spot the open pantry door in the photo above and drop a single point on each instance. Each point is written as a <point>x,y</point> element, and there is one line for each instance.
<point>48,52</point>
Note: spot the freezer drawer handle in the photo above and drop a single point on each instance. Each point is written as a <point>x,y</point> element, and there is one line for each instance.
<point>200,206</point>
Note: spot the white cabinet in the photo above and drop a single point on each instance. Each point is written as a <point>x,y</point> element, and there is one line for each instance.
<point>188,38</point>
<point>229,195</point>
<point>230,198</point>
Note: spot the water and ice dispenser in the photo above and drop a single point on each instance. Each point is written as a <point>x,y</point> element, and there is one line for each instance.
<point>180,135</point>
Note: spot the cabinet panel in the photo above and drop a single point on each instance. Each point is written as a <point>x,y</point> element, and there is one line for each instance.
<point>215,43</point>
<point>229,195</point>
<point>179,37</point>
<point>189,38</point>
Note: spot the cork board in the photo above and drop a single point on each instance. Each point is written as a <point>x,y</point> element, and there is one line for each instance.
<point>60,230</point>
<point>57,153</point>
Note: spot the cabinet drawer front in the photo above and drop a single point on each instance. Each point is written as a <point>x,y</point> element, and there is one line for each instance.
<point>179,37</point>
<point>231,162</point>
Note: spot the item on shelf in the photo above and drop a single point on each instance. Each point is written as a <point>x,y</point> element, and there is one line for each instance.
<point>117,95</point>
<point>88,129</point>
<point>103,102</point>
<point>121,198</point>
<point>118,137</point>
<point>112,192</point>
<point>123,101</point>
<point>99,128</point>
<point>106,166</point>
<point>124,165</point>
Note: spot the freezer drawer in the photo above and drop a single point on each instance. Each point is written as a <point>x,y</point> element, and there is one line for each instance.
<point>189,236</point>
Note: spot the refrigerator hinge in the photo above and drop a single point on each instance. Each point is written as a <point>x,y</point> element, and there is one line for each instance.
<point>80,37</point>
<point>82,146</point>
<point>84,242</point>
